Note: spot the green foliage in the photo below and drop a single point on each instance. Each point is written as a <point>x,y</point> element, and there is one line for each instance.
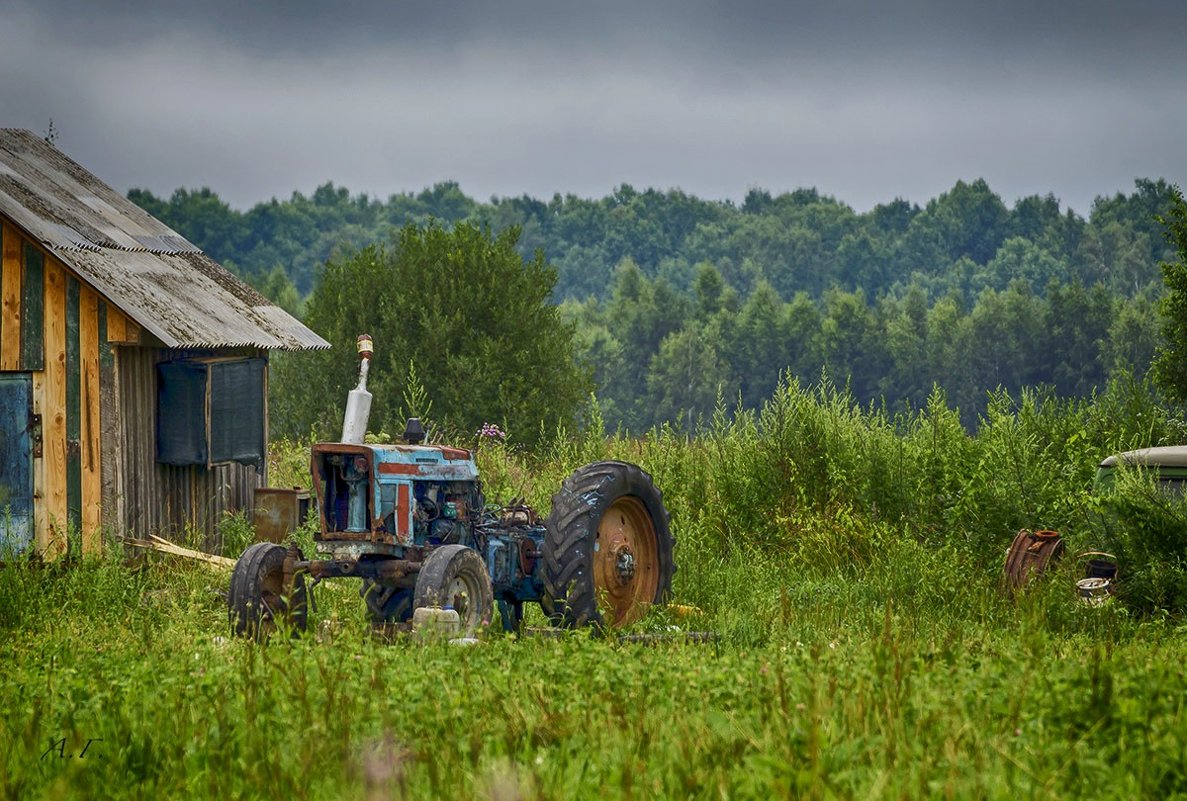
<point>288,461</point>
<point>235,533</point>
<point>277,287</point>
<point>859,695</point>
<point>1070,338</point>
<point>1144,525</point>
<point>797,241</point>
<point>965,292</point>
<point>1170,362</point>
<point>847,560</point>
<point>816,478</point>
<point>458,318</point>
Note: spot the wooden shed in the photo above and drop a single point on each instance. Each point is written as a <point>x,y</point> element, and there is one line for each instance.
<point>133,368</point>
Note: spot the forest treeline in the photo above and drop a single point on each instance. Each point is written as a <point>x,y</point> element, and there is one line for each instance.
<point>681,303</point>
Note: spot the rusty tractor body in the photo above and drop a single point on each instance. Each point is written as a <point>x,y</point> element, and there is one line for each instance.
<point>412,523</point>
<point>384,509</point>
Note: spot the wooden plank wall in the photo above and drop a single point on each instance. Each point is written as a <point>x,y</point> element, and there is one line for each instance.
<point>55,327</point>
<point>53,408</point>
<point>95,387</point>
<point>165,499</point>
<point>10,299</point>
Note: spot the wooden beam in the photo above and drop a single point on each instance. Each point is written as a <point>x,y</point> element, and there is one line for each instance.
<point>121,329</point>
<point>92,488</point>
<point>54,419</point>
<point>160,545</point>
<point>110,434</point>
<point>10,299</point>
<point>115,324</point>
<point>33,290</point>
<point>73,379</point>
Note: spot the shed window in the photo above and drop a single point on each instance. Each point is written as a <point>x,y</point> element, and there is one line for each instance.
<point>210,412</point>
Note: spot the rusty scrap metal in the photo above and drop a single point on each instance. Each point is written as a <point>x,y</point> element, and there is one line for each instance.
<point>385,571</point>
<point>276,512</point>
<point>1031,553</point>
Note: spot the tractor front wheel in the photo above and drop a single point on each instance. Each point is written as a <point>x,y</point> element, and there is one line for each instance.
<point>607,554</point>
<point>456,576</point>
<point>258,600</point>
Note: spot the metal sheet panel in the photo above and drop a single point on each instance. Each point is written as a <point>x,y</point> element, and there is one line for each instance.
<point>164,283</point>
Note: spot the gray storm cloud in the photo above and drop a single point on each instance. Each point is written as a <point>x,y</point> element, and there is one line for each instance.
<point>866,101</point>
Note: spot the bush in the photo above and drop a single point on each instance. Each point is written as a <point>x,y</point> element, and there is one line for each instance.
<point>456,315</point>
<point>1145,526</point>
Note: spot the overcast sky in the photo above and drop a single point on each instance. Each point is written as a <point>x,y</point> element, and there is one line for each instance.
<point>866,101</point>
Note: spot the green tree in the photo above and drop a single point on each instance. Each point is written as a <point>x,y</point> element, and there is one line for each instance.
<point>967,220</point>
<point>760,345</point>
<point>686,377</point>
<point>277,287</point>
<point>460,307</point>
<point>1019,258</point>
<point>1170,360</point>
<point>1133,338</point>
<point>908,378</point>
<point>1078,320</point>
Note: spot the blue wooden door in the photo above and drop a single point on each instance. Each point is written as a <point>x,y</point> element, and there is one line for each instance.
<point>16,462</point>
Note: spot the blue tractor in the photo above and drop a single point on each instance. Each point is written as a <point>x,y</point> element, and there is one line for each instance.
<point>411,522</point>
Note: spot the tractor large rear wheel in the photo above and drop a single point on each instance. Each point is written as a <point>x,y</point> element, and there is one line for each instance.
<point>607,555</point>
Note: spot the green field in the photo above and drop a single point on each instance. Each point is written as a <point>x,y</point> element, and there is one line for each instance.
<point>847,561</point>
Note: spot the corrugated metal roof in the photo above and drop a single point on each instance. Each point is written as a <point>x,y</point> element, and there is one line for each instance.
<point>164,283</point>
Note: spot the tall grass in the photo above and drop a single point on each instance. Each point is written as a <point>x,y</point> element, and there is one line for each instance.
<point>814,461</point>
<point>847,558</point>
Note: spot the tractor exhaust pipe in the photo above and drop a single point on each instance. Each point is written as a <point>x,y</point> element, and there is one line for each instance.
<point>358,402</point>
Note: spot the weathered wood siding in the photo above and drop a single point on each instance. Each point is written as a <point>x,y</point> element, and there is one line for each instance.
<point>94,384</point>
<point>52,327</point>
<point>160,498</point>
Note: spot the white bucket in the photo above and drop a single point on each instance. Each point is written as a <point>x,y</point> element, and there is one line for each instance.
<point>435,622</point>
<point>1093,591</point>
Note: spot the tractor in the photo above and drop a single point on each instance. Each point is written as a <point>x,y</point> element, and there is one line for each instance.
<point>411,521</point>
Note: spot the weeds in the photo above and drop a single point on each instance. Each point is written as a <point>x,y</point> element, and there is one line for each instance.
<point>847,559</point>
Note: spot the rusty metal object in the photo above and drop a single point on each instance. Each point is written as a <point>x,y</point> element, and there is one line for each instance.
<point>355,549</point>
<point>626,561</point>
<point>292,558</point>
<point>1031,553</point>
<point>384,571</point>
<point>518,513</point>
<point>1094,591</point>
<point>528,554</point>
<point>1103,566</point>
<point>1100,577</point>
<point>277,512</point>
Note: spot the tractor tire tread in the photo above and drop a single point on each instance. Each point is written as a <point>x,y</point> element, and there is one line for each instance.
<point>569,597</point>
<point>243,597</point>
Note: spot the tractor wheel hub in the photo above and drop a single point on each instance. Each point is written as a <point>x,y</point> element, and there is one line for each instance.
<point>624,563</point>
